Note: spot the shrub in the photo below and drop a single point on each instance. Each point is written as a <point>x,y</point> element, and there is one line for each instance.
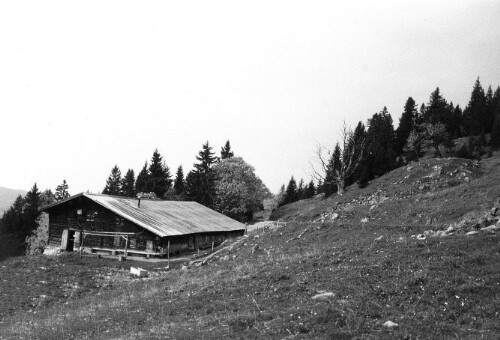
<point>38,240</point>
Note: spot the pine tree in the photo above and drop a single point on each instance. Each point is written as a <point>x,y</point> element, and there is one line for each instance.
<point>128,184</point>
<point>62,191</point>
<point>226,152</point>
<point>406,123</point>
<point>159,180</point>
<point>142,180</point>
<point>113,183</point>
<point>179,184</point>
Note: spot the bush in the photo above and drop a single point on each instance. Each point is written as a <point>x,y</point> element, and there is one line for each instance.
<point>38,240</point>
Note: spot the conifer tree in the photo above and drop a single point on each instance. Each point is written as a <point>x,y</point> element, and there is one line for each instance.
<point>310,190</point>
<point>62,191</point>
<point>226,152</point>
<point>113,183</point>
<point>436,110</point>
<point>474,119</point>
<point>380,155</point>
<point>406,123</point>
<point>495,133</point>
<point>142,180</point>
<point>128,184</point>
<point>281,196</point>
<point>301,190</point>
<point>291,192</point>
<point>179,181</point>
<point>200,182</point>
<point>159,180</point>
<point>47,197</point>
<point>32,201</point>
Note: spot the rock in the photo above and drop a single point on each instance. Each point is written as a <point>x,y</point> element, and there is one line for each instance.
<point>334,217</point>
<point>379,238</point>
<point>421,237</point>
<point>184,267</point>
<point>473,232</point>
<point>255,248</point>
<point>491,228</point>
<point>409,168</point>
<point>323,296</point>
<point>364,220</point>
<point>441,233</point>
<point>390,324</point>
<point>495,211</point>
<point>450,229</point>
<point>373,207</point>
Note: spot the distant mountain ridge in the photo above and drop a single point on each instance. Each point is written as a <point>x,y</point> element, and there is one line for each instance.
<point>7,197</point>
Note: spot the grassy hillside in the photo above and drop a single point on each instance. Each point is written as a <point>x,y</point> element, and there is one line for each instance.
<point>433,192</point>
<point>318,276</point>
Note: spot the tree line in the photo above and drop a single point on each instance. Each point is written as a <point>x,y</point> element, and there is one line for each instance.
<point>371,150</point>
<point>226,184</point>
<point>20,220</point>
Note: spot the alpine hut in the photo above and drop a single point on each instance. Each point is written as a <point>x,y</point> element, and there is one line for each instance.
<point>137,226</point>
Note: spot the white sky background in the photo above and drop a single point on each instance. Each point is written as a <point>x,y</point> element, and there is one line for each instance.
<point>87,85</point>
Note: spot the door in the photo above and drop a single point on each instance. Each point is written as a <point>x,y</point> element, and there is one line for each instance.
<point>71,240</point>
<point>64,239</point>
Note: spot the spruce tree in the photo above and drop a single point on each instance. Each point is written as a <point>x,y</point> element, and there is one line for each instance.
<point>495,133</point>
<point>62,191</point>
<point>380,155</point>
<point>310,190</point>
<point>226,152</point>
<point>474,119</point>
<point>159,180</point>
<point>128,184</point>
<point>113,183</point>
<point>301,190</point>
<point>142,180</point>
<point>33,201</point>
<point>437,109</point>
<point>179,184</point>
<point>406,123</point>
<point>200,182</point>
<point>291,192</point>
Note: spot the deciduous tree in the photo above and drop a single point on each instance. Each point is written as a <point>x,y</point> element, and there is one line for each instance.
<point>238,190</point>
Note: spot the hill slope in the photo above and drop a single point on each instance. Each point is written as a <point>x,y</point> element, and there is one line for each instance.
<point>433,192</point>
<point>329,279</point>
<point>7,197</point>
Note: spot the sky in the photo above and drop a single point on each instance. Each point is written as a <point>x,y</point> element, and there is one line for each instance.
<point>90,84</point>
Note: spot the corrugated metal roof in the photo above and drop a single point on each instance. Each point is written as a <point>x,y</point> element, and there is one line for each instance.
<point>165,218</point>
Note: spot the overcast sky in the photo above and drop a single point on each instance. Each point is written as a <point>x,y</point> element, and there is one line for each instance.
<point>90,84</point>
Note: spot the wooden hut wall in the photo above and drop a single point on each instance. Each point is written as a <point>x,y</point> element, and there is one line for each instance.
<point>96,218</point>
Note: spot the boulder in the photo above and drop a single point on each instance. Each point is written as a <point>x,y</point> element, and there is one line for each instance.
<point>390,324</point>
<point>324,296</point>
<point>473,232</point>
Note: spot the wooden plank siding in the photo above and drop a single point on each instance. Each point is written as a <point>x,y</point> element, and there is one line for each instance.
<point>84,214</point>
